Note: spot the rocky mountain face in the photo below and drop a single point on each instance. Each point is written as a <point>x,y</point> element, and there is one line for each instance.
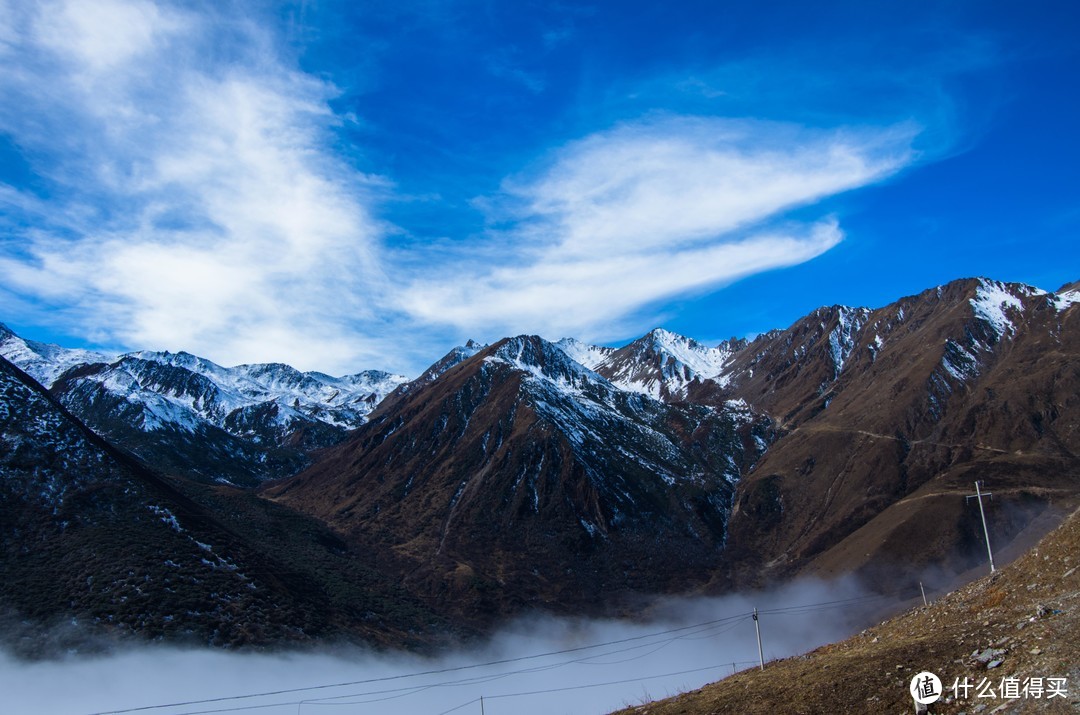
<point>667,366</point>
<point>884,419</point>
<point>890,416</point>
<point>90,536</point>
<point>186,415</point>
<point>519,478</point>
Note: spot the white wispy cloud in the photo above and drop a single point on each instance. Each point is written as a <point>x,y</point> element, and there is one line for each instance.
<point>652,210</point>
<point>193,197</point>
<point>104,34</point>
<point>195,203</point>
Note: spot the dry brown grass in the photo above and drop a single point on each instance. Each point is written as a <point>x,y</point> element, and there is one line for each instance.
<point>1030,610</point>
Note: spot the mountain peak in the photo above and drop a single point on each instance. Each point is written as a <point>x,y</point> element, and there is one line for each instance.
<point>187,414</point>
<point>456,356</point>
<point>530,473</point>
<point>540,358</point>
<point>663,364</point>
<point>43,361</point>
<point>995,302</point>
<point>591,356</point>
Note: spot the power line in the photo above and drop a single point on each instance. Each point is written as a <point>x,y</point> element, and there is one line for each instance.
<point>437,671</point>
<point>826,605</point>
<point>588,660</point>
<point>601,685</point>
<point>459,707</point>
<point>402,692</point>
<point>594,685</point>
<point>690,632</point>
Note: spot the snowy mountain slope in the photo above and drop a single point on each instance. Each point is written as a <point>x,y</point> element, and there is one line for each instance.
<point>520,473</point>
<point>337,401</point>
<point>186,414</point>
<point>663,364</point>
<point>974,379</point>
<point>451,359</point>
<point>591,356</point>
<point>596,414</point>
<point>42,361</point>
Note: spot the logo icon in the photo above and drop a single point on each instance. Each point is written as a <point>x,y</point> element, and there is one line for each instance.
<point>925,688</point>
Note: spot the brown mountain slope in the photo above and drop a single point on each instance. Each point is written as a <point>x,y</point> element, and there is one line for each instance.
<point>511,477</point>
<point>933,395</point>
<point>789,374</point>
<point>1027,616</point>
<point>90,535</point>
<point>519,479</point>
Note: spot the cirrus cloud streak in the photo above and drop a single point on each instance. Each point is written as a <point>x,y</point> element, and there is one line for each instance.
<point>651,210</point>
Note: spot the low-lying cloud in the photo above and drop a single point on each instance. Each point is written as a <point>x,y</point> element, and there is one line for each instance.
<point>534,665</point>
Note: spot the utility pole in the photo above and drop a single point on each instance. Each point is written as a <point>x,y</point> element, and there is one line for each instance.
<point>979,494</point>
<point>923,593</point>
<point>757,630</point>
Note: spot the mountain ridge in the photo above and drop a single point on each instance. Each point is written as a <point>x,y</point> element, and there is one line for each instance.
<point>521,450</point>
<point>187,415</point>
<point>512,476</point>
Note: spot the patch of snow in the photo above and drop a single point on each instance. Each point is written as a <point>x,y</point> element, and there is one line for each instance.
<point>960,363</point>
<point>591,356</point>
<point>649,387</point>
<point>842,337</point>
<point>992,302</point>
<point>166,516</point>
<point>739,411</point>
<point>875,347</point>
<point>1064,300</point>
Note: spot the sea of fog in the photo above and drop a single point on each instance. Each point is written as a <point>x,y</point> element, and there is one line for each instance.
<point>539,665</point>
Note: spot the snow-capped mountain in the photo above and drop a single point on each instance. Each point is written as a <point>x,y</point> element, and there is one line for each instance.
<point>524,469</point>
<point>186,414</point>
<point>663,364</point>
<point>42,361</point>
<point>591,356</point>
<point>213,393</point>
<point>92,538</point>
<point>527,474</point>
<point>891,414</point>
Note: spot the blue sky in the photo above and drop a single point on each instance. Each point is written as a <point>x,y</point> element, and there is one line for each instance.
<point>364,184</point>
